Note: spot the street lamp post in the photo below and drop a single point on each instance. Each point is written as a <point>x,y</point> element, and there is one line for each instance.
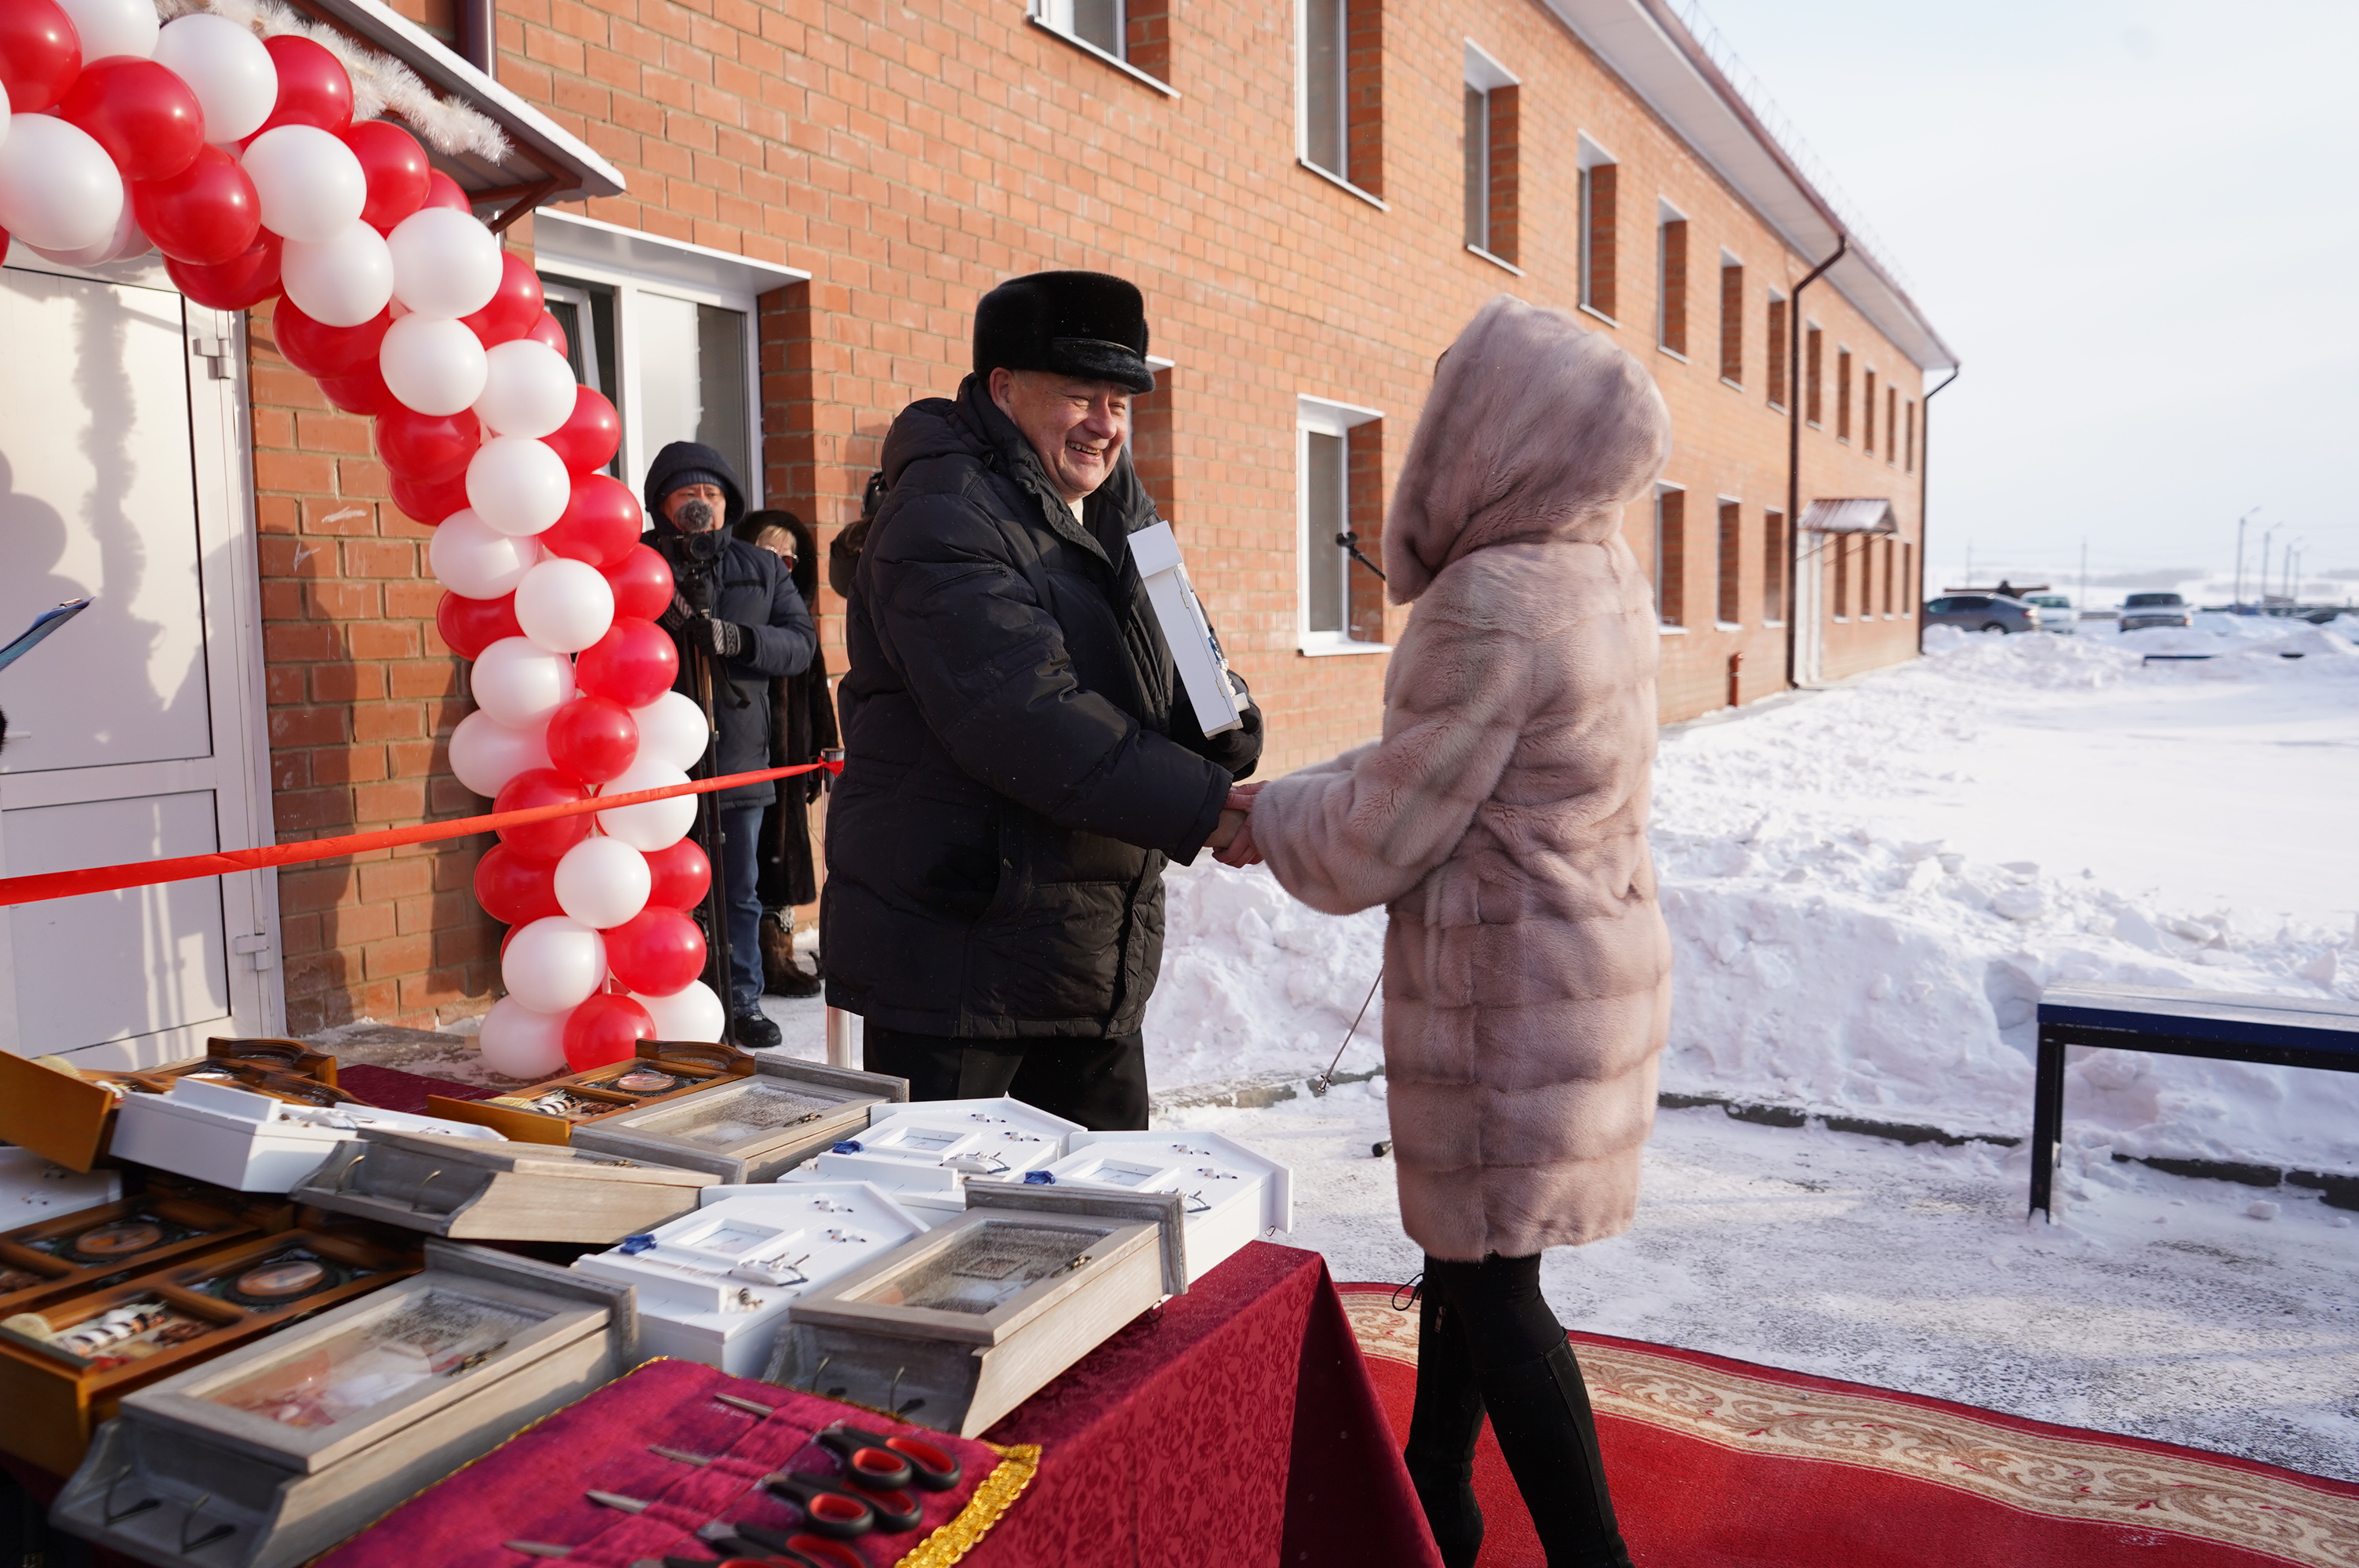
<point>2240,555</point>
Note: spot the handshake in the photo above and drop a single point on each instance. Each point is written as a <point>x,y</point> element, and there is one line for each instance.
<point>1232,841</point>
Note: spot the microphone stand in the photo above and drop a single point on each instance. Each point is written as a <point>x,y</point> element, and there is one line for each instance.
<point>697,588</point>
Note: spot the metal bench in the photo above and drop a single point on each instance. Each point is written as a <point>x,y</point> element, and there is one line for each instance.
<point>2287,1032</point>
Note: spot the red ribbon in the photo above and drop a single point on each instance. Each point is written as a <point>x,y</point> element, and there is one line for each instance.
<point>146,873</point>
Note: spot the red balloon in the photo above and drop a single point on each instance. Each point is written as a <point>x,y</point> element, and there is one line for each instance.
<point>550,331</point>
<point>313,88</point>
<point>40,54</point>
<point>592,739</point>
<point>507,936</point>
<point>240,282</point>
<point>364,391</point>
<point>642,583</point>
<point>471,625</point>
<point>588,439</point>
<point>682,876</point>
<point>542,840</point>
<point>634,663</point>
<point>207,213</point>
<point>441,191</point>
<point>428,448</point>
<point>601,524</point>
<point>513,889</point>
<point>656,952</point>
<point>397,170</point>
<point>146,117</point>
<point>605,1029</point>
<point>430,503</point>
<point>322,351</point>
<point>514,309</point>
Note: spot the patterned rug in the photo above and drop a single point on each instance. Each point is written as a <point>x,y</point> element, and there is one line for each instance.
<point>1717,1463</point>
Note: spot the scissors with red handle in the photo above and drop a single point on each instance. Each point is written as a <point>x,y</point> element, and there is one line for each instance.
<point>833,1509</point>
<point>873,1459</point>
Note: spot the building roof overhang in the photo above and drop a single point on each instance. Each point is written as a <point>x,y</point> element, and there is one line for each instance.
<point>1852,514</point>
<point>543,162</point>
<point>1645,43</point>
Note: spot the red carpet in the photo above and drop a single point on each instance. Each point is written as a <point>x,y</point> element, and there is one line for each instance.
<point>1721,1464</point>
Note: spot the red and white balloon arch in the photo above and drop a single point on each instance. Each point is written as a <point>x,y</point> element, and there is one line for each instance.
<point>239,159</point>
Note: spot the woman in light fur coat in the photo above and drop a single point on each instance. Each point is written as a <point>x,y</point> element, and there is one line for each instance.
<point>1502,822</point>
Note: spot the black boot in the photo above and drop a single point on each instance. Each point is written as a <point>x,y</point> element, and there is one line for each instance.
<point>1441,1433</point>
<point>1539,1412</point>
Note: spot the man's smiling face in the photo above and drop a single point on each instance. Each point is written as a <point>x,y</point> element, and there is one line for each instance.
<point>1076,426</point>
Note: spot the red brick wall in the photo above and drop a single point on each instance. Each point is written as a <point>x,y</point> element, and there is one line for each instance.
<point>910,157</point>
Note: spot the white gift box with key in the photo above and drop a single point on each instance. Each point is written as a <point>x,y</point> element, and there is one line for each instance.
<point>924,1154</point>
<point>1230,1194</point>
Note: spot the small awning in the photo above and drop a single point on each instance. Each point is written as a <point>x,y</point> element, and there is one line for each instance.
<point>539,162</point>
<point>1854,515</point>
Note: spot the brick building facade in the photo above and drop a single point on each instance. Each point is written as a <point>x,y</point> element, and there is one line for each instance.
<point>1313,198</point>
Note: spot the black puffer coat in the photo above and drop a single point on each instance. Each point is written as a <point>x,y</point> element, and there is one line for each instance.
<point>1020,757</point>
<point>752,587</point>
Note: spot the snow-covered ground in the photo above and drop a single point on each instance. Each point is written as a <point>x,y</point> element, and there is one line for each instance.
<point>1868,887</point>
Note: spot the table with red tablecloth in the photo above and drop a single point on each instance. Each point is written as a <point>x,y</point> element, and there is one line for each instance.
<point>1237,1425</point>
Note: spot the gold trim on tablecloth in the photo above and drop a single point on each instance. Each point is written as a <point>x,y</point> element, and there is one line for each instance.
<point>2087,1479</point>
<point>957,1536</point>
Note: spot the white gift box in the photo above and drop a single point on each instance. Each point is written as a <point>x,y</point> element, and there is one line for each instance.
<point>250,1142</point>
<point>713,1286</point>
<point>1231,1194</point>
<point>924,1154</point>
<point>1194,649</point>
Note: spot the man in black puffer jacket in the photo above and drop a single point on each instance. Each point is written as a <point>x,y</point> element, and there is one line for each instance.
<point>1020,757</point>
<point>757,630</point>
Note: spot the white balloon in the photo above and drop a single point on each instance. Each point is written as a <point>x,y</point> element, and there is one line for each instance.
<point>692,1014</point>
<point>475,560</point>
<point>515,484</point>
<point>564,605</point>
<point>603,883</point>
<point>672,732</point>
<point>432,365</point>
<point>226,67</point>
<point>554,965</point>
<point>519,684</point>
<point>59,190</point>
<point>127,240</point>
<point>518,1042</point>
<point>445,264</point>
<point>4,114</point>
<point>338,281</point>
<point>529,391</point>
<point>486,753</point>
<point>311,186</point>
<point>651,825</point>
<point>124,27</point>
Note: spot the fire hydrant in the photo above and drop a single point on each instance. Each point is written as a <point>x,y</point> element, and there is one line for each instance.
<point>1735,662</point>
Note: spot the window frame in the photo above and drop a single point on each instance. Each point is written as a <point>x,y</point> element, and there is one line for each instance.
<point>1814,402</point>
<point>1778,320</point>
<point>1482,76</point>
<point>631,263</point>
<point>1774,562</point>
<point>1732,320</point>
<point>1034,15</point>
<point>1664,603</point>
<point>1594,158</point>
<point>1671,304</point>
<point>1323,417</point>
<point>1728,565</point>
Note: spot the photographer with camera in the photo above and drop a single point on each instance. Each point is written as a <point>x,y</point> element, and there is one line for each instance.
<point>739,625</point>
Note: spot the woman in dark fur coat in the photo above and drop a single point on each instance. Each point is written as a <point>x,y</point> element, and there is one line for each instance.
<point>802,725</point>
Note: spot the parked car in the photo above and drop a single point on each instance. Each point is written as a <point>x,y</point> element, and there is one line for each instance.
<point>1981,612</point>
<point>2140,611</point>
<point>2056,613</point>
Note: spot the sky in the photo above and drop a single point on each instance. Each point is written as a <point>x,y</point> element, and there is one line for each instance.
<point>2136,225</point>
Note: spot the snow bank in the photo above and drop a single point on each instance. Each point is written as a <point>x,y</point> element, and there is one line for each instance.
<point>1829,963</point>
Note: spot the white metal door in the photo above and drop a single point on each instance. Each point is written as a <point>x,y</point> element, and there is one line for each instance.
<point>1811,608</point>
<point>134,733</point>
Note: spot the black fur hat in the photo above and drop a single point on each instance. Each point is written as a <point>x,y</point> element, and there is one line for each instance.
<point>1076,323</point>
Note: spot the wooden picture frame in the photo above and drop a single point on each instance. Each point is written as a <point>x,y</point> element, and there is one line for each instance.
<point>39,1263</point>
<point>750,1129</point>
<point>468,1189</point>
<point>67,1115</point>
<point>267,1456</point>
<point>883,1336</point>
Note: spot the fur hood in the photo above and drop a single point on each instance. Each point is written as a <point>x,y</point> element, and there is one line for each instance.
<point>1537,429</point>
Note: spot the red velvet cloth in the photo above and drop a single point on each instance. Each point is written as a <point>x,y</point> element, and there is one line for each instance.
<point>390,1088</point>
<point>1237,1426</point>
<point>534,1487</point>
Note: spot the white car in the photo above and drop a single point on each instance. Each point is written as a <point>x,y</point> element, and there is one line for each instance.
<point>2056,613</point>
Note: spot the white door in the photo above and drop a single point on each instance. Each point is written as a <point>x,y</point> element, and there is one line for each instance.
<point>1810,608</point>
<point>133,732</point>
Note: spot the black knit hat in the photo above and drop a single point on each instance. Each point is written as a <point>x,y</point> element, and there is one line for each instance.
<point>1088,324</point>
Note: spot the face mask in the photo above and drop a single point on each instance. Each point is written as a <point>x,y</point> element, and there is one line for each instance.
<point>694,517</point>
